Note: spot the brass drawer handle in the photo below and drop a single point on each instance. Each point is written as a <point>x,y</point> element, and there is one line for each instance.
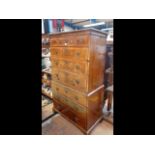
<point>80,41</point>
<point>66,51</point>
<point>66,91</point>
<point>57,76</point>
<point>56,52</point>
<point>76,119</point>
<point>76,98</point>
<point>77,53</point>
<point>65,41</point>
<point>66,74</point>
<point>77,67</point>
<point>56,63</point>
<point>77,81</point>
<point>66,62</point>
<point>57,89</point>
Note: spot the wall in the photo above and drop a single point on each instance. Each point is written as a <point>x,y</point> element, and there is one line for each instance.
<point>42,26</point>
<point>67,28</point>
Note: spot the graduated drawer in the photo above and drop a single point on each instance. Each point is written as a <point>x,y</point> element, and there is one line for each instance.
<point>77,118</point>
<point>72,53</point>
<point>75,67</point>
<point>69,93</point>
<point>71,80</point>
<point>77,108</point>
<point>74,40</point>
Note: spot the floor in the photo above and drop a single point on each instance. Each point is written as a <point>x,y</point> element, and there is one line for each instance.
<point>47,110</point>
<point>58,125</point>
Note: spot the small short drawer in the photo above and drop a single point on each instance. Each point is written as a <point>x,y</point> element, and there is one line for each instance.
<point>69,93</point>
<point>72,40</point>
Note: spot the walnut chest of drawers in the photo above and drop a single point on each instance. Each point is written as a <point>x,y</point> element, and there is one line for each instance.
<point>78,60</point>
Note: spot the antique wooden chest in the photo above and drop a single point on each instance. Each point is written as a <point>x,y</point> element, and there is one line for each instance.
<point>78,61</point>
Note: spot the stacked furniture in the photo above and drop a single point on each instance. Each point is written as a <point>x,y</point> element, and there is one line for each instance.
<point>78,62</point>
<point>46,79</point>
<point>109,79</point>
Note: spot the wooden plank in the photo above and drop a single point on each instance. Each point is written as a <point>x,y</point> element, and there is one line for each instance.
<point>47,82</point>
<point>47,95</point>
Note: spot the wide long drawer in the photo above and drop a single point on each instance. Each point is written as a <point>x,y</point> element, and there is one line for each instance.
<point>71,80</point>
<point>69,93</point>
<point>73,105</point>
<point>73,40</point>
<point>69,65</point>
<point>79,119</point>
<point>72,53</point>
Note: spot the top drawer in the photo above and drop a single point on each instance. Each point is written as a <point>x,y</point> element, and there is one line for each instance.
<point>74,40</point>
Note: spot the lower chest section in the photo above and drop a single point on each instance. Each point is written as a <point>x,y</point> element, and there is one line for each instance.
<point>80,109</point>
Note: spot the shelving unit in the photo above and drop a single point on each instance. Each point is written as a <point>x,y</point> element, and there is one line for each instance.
<point>46,71</point>
<point>47,95</point>
<point>46,76</point>
<point>47,109</point>
<point>108,82</point>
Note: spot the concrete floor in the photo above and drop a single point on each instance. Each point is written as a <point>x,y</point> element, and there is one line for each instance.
<point>58,125</point>
<point>47,110</point>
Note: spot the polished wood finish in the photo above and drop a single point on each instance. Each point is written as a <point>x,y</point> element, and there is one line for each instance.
<point>78,61</point>
<point>109,97</point>
<point>67,92</point>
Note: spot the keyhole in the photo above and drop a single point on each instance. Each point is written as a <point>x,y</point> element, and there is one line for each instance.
<point>56,52</point>
<point>77,81</point>
<point>76,98</point>
<point>77,67</point>
<point>78,53</point>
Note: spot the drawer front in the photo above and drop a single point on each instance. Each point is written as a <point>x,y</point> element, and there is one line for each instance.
<point>79,120</point>
<point>58,106</point>
<point>74,40</point>
<point>56,75</point>
<point>78,109</point>
<point>56,52</point>
<point>75,53</point>
<point>56,63</point>
<point>75,67</point>
<point>74,96</point>
<point>71,80</point>
<point>71,53</point>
